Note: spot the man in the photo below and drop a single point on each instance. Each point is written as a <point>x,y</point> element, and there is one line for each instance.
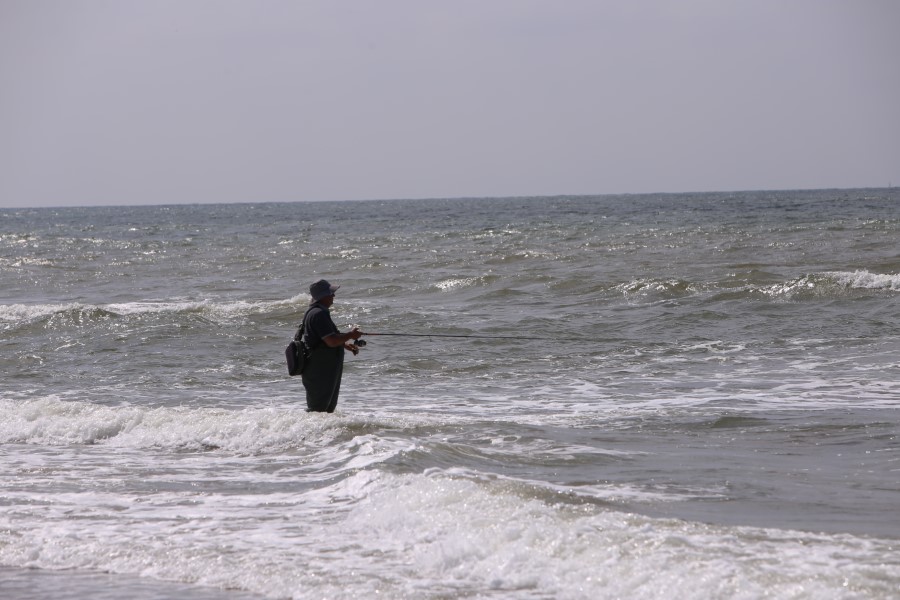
<point>322,375</point>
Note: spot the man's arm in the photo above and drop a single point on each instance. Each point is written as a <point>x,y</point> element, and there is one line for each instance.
<point>335,340</point>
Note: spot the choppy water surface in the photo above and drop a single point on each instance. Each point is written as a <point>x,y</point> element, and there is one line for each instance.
<point>705,404</point>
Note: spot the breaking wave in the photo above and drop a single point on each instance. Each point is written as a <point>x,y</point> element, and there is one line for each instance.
<point>15,315</point>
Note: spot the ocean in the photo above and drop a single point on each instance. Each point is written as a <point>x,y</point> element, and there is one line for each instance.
<point>657,396</point>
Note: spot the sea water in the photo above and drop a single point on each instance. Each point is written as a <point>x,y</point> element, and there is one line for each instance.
<point>674,395</point>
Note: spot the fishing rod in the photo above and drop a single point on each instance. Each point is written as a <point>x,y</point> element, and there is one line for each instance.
<point>449,335</point>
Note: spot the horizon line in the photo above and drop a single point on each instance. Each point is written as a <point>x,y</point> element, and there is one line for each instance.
<point>890,186</point>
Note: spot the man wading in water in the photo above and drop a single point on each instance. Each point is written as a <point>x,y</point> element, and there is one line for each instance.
<point>322,375</point>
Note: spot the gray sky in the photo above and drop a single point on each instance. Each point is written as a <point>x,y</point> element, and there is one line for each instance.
<point>170,101</point>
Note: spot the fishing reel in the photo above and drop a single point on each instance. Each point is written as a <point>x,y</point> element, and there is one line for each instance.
<point>360,343</point>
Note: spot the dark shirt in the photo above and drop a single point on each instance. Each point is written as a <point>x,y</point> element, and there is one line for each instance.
<point>318,325</point>
<point>322,376</point>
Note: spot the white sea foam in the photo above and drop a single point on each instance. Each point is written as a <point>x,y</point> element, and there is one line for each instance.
<point>833,283</point>
<point>865,280</point>
<point>25,313</point>
<point>54,422</point>
<point>534,549</point>
<point>431,535</point>
<point>449,284</point>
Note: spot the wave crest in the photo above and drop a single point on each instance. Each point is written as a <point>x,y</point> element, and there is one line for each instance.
<point>27,314</point>
<point>55,422</point>
<point>862,279</point>
<point>51,421</point>
<point>833,284</point>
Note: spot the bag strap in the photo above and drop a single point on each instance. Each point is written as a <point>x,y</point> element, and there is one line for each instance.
<point>299,335</point>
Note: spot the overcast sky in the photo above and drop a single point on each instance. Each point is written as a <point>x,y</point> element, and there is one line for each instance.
<point>171,101</point>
